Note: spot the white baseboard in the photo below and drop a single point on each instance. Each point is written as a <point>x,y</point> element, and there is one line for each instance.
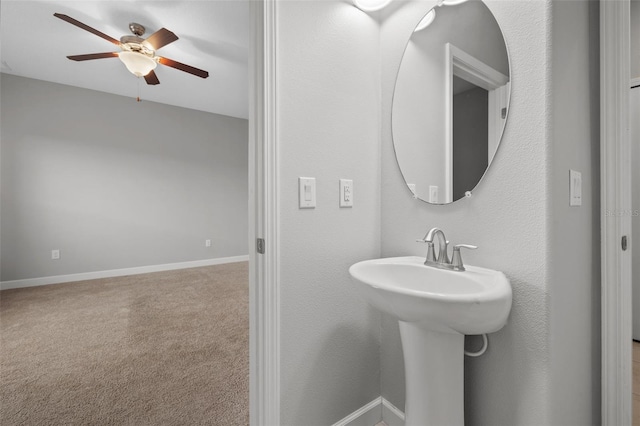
<point>391,414</point>
<point>368,415</point>
<point>373,413</point>
<point>57,279</point>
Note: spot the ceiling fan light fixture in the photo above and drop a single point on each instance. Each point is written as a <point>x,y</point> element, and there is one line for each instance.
<point>450,2</point>
<point>370,5</point>
<point>137,63</point>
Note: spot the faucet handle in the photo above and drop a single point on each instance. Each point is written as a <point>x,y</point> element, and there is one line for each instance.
<point>467,246</point>
<point>456,261</point>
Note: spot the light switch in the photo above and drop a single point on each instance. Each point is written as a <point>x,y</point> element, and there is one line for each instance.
<point>575,188</point>
<point>307,192</point>
<point>346,193</point>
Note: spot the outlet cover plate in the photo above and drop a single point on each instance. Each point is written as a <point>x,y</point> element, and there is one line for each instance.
<point>346,193</point>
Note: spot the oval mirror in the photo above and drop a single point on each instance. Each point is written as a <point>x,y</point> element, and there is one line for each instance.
<point>451,100</point>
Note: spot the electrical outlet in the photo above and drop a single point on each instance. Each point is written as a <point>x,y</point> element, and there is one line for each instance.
<point>55,254</point>
<point>207,243</point>
<point>346,193</point>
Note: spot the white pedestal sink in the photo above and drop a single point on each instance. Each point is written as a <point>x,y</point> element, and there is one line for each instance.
<point>435,309</point>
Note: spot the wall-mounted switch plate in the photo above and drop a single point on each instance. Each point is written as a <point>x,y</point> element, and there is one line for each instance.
<point>55,254</point>
<point>207,243</point>
<point>433,194</point>
<point>346,193</point>
<point>575,188</point>
<point>307,193</point>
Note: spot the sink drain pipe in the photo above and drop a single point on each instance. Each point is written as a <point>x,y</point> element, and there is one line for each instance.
<point>485,344</point>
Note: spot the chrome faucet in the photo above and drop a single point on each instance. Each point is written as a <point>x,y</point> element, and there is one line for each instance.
<point>442,261</point>
<point>443,253</point>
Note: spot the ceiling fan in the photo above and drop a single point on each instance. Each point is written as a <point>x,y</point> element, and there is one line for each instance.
<point>137,54</point>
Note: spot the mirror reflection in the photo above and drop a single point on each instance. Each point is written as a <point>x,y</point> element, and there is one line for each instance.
<point>450,102</point>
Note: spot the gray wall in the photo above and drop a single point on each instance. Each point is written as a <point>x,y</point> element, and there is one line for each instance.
<point>113,183</point>
<point>328,109</point>
<point>512,216</point>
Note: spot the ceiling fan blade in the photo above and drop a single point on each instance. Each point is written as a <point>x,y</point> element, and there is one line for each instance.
<point>152,78</point>
<point>161,38</point>
<point>183,67</point>
<point>86,27</point>
<point>90,56</point>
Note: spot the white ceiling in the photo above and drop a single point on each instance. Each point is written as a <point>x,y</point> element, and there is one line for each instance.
<point>213,35</point>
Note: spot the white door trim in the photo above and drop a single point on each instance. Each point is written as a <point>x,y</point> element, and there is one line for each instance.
<point>464,65</point>
<point>615,168</point>
<point>264,271</point>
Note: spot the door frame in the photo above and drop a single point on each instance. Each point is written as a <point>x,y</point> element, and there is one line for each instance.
<point>461,64</point>
<point>264,268</point>
<point>615,180</point>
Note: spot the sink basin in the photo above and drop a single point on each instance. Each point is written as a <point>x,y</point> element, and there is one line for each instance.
<point>475,301</point>
<point>435,308</point>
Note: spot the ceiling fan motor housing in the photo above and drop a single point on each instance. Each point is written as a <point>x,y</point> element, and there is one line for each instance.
<point>136,44</point>
<point>136,29</point>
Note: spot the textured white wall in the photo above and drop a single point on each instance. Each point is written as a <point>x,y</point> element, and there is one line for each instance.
<point>113,183</point>
<point>328,109</point>
<point>520,218</point>
<point>574,232</point>
<point>508,217</point>
<point>330,99</point>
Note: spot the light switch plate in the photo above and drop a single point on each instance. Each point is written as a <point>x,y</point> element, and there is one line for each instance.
<point>346,193</point>
<point>307,192</point>
<point>575,188</point>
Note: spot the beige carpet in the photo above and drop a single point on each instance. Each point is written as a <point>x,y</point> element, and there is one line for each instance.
<point>166,348</point>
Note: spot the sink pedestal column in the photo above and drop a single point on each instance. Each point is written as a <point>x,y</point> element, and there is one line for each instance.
<point>434,376</point>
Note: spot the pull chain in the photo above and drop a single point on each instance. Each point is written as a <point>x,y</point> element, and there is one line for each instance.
<point>138,98</point>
